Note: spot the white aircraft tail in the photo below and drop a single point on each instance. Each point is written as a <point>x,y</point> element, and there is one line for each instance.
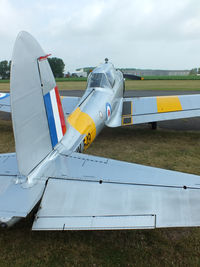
<point>37,115</point>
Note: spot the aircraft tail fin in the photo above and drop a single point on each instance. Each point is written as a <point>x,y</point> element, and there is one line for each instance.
<point>37,115</point>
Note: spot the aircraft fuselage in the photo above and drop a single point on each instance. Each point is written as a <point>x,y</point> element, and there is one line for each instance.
<point>97,106</point>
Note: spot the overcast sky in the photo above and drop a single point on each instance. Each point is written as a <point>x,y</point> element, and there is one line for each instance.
<point>162,34</point>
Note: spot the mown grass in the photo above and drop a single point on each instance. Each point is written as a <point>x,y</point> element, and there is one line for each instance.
<point>130,85</point>
<point>170,149</point>
<point>161,148</point>
<point>164,77</point>
<point>4,81</point>
<point>80,85</point>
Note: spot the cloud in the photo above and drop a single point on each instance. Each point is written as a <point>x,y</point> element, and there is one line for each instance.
<point>139,33</point>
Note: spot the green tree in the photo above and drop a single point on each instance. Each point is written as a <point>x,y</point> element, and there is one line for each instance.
<point>193,71</point>
<point>57,66</point>
<point>5,69</point>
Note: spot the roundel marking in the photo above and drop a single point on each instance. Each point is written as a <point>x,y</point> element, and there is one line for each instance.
<point>108,111</point>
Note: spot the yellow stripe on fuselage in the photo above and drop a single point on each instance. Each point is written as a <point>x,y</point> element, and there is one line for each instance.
<point>168,103</point>
<point>84,124</point>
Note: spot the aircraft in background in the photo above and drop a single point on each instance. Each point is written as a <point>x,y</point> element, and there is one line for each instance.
<point>132,76</point>
<point>76,191</point>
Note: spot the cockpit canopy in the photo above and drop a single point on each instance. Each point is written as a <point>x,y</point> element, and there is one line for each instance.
<point>103,76</point>
<point>98,80</point>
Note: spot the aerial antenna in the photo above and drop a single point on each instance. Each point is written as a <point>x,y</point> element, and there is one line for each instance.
<point>106,60</point>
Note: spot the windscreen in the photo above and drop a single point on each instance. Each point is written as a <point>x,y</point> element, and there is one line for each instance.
<point>98,80</point>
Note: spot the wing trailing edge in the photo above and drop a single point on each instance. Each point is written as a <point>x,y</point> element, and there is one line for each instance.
<point>98,193</point>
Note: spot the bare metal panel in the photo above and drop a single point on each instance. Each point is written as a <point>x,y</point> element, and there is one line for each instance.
<point>28,112</point>
<point>84,205</point>
<point>5,108</point>
<point>93,168</point>
<point>97,187</point>
<point>69,104</point>
<point>95,222</point>
<point>92,205</point>
<point>8,164</point>
<point>15,200</point>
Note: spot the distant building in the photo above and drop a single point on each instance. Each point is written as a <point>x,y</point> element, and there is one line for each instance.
<point>79,73</point>
<point>141,72</point>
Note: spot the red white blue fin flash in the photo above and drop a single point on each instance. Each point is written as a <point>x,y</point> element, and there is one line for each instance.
<point>55,115</point>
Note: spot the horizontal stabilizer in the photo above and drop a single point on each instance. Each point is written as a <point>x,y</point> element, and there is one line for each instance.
<point>5,102</point>
<point>92,206</point>
<point>8,164</point>
<point>96,193</point>
<point>69,103</point>
<point>15,200</point>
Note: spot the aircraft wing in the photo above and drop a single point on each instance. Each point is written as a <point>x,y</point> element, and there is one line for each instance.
<point>5,102</point>
<point>138,110</point>
<point>100,193</point>
<point>68,103</point>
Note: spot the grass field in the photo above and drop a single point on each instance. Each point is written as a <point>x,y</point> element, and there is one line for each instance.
<point>130,85</point>
<point>163,85</point>
<point>81,79</point>
<point>161,247</point>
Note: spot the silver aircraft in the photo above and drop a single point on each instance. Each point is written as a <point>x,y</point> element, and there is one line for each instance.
<point>73,190</point>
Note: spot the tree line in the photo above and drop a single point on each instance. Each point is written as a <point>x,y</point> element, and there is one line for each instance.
<point>57,66</point>
<point>195,71</point>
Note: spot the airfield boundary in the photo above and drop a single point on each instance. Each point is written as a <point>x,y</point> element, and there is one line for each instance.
<point>186,85</point>
<point>164,77</point>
